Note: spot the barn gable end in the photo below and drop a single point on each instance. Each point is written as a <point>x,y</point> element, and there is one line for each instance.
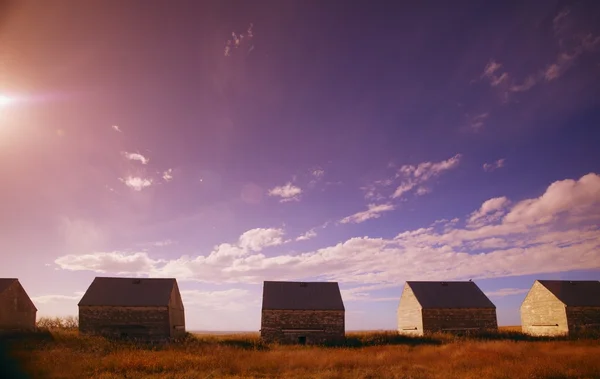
<point>17,311</point>
<point>445,306</point>
<point>559,307</point>
<point>133,308</point>
<point>302,312</point>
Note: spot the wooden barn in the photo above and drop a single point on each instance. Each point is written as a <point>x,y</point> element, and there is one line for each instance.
<point>133,308</point>
<point>560,307</point>
<point>17,311</point>
<point>302,312</point>
<point>427,307</point>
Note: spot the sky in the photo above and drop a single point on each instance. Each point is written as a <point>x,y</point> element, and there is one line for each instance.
<point>225,143</point>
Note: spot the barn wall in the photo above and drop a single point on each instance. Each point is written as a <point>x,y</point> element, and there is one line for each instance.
<point>542,314</point>
<point>581,318</point>
<point>134,322</point>
<point>287,326</point>
<point>409,314</point>
<point>459,319</point>
<point>176,314</point>
<point>17,311</point>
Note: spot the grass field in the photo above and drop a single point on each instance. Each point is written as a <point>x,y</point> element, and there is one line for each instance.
<point>508,354</point>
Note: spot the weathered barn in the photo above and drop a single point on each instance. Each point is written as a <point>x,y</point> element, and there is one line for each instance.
<point>133,308</point>
<point>560,307</point>
<point>427,307</point>
<point>17,311</point>
<point>305,313</point>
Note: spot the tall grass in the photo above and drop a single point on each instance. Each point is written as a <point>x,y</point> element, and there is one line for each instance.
<point>506,354</point>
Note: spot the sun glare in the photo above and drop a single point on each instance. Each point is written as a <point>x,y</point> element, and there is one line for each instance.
<point>5,100</point>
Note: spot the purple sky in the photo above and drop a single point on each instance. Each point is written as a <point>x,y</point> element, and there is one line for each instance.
<point>364,143</point>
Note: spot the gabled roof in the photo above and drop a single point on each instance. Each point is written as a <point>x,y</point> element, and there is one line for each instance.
<point>5,283</point>
<point>129,292</point>
<point>450,295</point>
<point>302,296</point>
<point>575,293</point>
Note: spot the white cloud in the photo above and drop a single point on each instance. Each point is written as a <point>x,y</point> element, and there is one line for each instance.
<point>415,175</point>
<point>556,232</point>
<point>116,128</point>
<point>490,211</point>
<point>318,173</point>
<point>225,300</point>
<point>115,262</point>
<point>494,165</point>
<point>136,157</point>
<point>257,239</point>
<point>136,183</point>
<point>306,236</point>
<point>45,299</point>
<point>507,292</point>
<point>168,175</point>
<point>477,121</point>
<point>287,192</point>
<point>373,211</point>
<point>490,69</point>
<point>529,82</point>
<point>162,243</point>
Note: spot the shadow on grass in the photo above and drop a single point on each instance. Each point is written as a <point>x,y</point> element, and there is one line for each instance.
<point>385,338</point>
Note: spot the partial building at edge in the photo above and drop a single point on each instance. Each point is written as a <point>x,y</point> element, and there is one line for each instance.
<point>302,312</point>
<point>561,307</point>
<point>149,309</point>
<point>17,311</point>
<point>427,307</point>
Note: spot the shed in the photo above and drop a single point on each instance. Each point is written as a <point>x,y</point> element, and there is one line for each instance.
<point>427,307</point>
<point>560,307</point>
<point>132,307</point>
<point>17,311</point>
<point>302,312</point>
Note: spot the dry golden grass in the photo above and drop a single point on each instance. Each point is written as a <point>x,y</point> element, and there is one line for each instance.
<point>366,355</point>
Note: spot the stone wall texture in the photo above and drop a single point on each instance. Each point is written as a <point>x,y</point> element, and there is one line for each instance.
<point>17,311</point>
<point>542,314</point>
<point>131,322</point>
<point>302,326</point>
<point>459,319</point>
<point>410,321</point>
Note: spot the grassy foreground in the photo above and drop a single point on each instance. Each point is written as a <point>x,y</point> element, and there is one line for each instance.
<point>508,354</point>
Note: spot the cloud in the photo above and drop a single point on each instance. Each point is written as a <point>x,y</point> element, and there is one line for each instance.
<point>488,167</point>
<point>287,192</point>
<point>525,86</point>
<point>45,299</point>
<point>506,292</point>
<point>257,239</point>
<point>373,211</point>
<point>556,232</point>
<point>162,243</point>
<point>318,173</point>
<point>422,191</point>
<point>168,175</point>
<point>490,69</point>
<point>489,212</point>
<point>114,262</point>
<point>81,234</point>
<point>225,300</point>
<point>116,128</point>
<point>238,41</point>
<point>136,157</point>
<point>477,121</point>
<point>416,175</point>
<point>136,183</point>
<point>306,236</point>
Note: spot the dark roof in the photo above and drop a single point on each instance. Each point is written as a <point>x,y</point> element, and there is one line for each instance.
<point>302,295</point>
<point>5,283</point>
<point>450,295</point>
<point>129,292</point>
<point>575,293</point>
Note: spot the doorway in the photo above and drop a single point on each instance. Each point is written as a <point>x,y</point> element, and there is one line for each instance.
<point>302,340</point>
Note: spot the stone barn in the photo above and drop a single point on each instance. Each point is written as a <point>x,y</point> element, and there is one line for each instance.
<point>559,307</point>
<point>149,309</point>
<point>427,307</point>
<point>17,311</point>
<point>302,312</point>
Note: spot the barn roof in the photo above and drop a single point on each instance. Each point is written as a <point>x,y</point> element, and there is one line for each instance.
<point>575,293</point>
<point>450,295</point>
<point>129,292</point>
<point>302,295</point>
<point>5,283</point>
